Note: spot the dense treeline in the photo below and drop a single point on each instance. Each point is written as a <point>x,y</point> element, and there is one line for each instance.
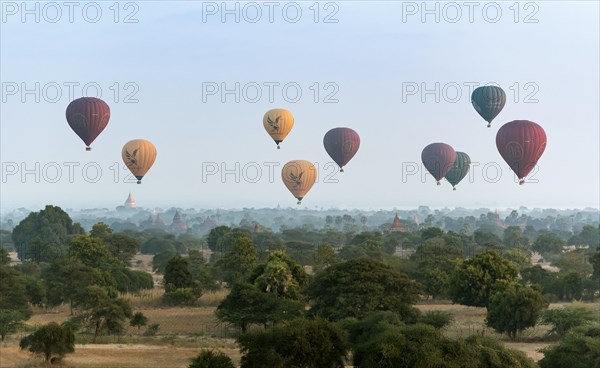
<point>331,291</point>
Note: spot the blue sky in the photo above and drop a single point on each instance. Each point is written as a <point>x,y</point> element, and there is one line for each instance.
<point>549,70</point>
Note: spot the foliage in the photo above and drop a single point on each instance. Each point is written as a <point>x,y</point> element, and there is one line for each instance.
<point>160,260</point>
<point>181,296</point>
<point>281,276</point>
<point>50,340</point>
<point>564,319</point>
<point>215,235</point>
<point>49,227</point>
<point>138,320</point>
<point>473,280</point>
<point>548,243</point>
<point>513,308</point>
<point>211,359</point>
<point>239,263</point>
<point>10,322</point>
<point>437,319</point>
<point>101,310</point>
<point>12,292</point>
<point>575,261</point>
<point>177,274</point>
<point>355,288</point>
<point>579,349</point>
<point>4,257</point>
<point>91,252</point>
<point>299,343</point>
<point>246,305</point>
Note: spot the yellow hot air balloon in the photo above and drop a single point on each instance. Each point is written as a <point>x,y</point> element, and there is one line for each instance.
<point>138,155</point>
<point>278,123</point>
<point>299,176</point>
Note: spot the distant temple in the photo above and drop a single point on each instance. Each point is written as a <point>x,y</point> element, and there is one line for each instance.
<point>397,226</point>
<point>256,229</point>
<point>178,225</point>
<point>158,220</point>
<point>130,202</point>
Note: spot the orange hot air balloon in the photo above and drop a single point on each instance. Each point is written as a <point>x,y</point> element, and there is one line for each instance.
<point>278,123</point>
<point>88,116</point>
<point>139,155</point>
<point>299,176</point>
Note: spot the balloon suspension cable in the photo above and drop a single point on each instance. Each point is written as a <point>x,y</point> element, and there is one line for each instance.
<point>88,148</point>
<point>522,181</point>
<point>139,182</point>
<point>438,183</point>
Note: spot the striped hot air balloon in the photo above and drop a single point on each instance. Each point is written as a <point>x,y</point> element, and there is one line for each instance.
<point>488,101</point>
<point>139,156</point>
<point>341,144</point>
<point>88,116</point>
<point>521,143</point>
<point>438,159</point>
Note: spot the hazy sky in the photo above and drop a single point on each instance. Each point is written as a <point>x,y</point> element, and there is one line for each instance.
<point>354,67</point>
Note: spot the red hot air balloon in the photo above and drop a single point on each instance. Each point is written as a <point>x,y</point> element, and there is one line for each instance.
<point>521,144</point>
<point>341,144</point>
<point>88,116</point>
<point>438,159</point>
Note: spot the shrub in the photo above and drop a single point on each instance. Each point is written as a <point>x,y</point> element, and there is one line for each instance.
<point>183,296</point>
<point>210,359</point>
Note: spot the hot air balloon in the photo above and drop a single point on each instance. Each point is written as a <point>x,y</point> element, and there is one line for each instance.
<point>459,170</point>
<point>299,176</point>
<point>88,116</point>
<point>521,144</point>
<point>138,155</point>
<point>341,144</point>
<point>438,159</point>
<point>488,101</point>
<point>278,123</point>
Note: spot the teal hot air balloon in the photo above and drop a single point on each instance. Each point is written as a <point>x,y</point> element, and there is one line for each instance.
<point>459,170</point>
<point>488,101</point>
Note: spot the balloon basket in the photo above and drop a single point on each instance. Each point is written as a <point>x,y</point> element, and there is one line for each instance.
<point>522,181</point>
<point>438,183</point>
<point>299,203</point>
<point>453,188</point>
<point>139,182</point>
<point>489,125</point>
<point>88,148</point>
<point>341,169</point>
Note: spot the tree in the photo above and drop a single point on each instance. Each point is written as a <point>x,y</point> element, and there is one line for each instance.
<point>589,235</point>
<point>298,343</point>
<point>579,349</point>
<point>122,247</point>
<point>215,234</point>
<point>595,261</point>
<point>50,340</point>
<point>91,252</point>
<point>565,319</point>
<point>177,274</point>
<point>239,263</point>
<point>138,320</point>
<point>355,288</point>
<point>246,305</point>
<point>10,321</point>
<point>201,277</point>
<point>211,359</point>
<point>4,257</point>
<point>575,261</point>
<point>12,292</point>
<point>473,280</point>
<point>486,238</point>
<point>50,226</point>
<point>513,308</point>
<point>104,311</point>
<point>101,231</point>
<point>513,237</point>
<point>160,260</point>
<point>280,276</point>
<point>548,243</point>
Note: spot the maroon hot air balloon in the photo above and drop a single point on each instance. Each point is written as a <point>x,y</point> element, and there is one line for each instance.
<point>438,159</point>
<point>88,116</point>
<point>341,144</point>
<point>521,144</point>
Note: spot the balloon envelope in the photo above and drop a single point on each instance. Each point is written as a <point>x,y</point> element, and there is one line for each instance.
<point>88,116</point>
<point>278,123</point>
<point>138,155</point>
<point>459,170</point>
<point>438,159</point>
<point>299,176</point>
<point>488,101</point>
<point>521,143</point>
<point>341,144</point>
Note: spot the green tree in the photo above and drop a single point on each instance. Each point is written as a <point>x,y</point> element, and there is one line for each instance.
<point>513,308</point>
<point>280,276</point>
<point>486,239</point>
<point>122,247</point>
<point>579,349</point>
<point>548,244</point>
<point>513,237</point>
<point>12,292</point>
<point>177,274</point>
<point>101,231</point>
<point>211,359</point>
<point>564,319</point>
<point>473,280</point>
<point>575,261</point>
<point>4,257</point>
<point>160,260</point>
<point>201,276</point>
<point>50,340</point>
<point>239,263</point>
<point>50,226</point>
<point>10,321</point>
<point>91,252</point>
<point>298,343</point>
<point>246,305</point>
<point>215,234</point>
<point>102,310</point>
<point>589,235</point>
<point>595,261</point>
<point>355,288</point>
<point>138,320</point>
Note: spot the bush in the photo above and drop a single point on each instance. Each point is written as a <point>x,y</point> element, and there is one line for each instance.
<point>564,319</point>
<point>437,319</point>
<point>152,329</point>
<point>183,296</point>
<point>210,359</point>
<point>579,349</point>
